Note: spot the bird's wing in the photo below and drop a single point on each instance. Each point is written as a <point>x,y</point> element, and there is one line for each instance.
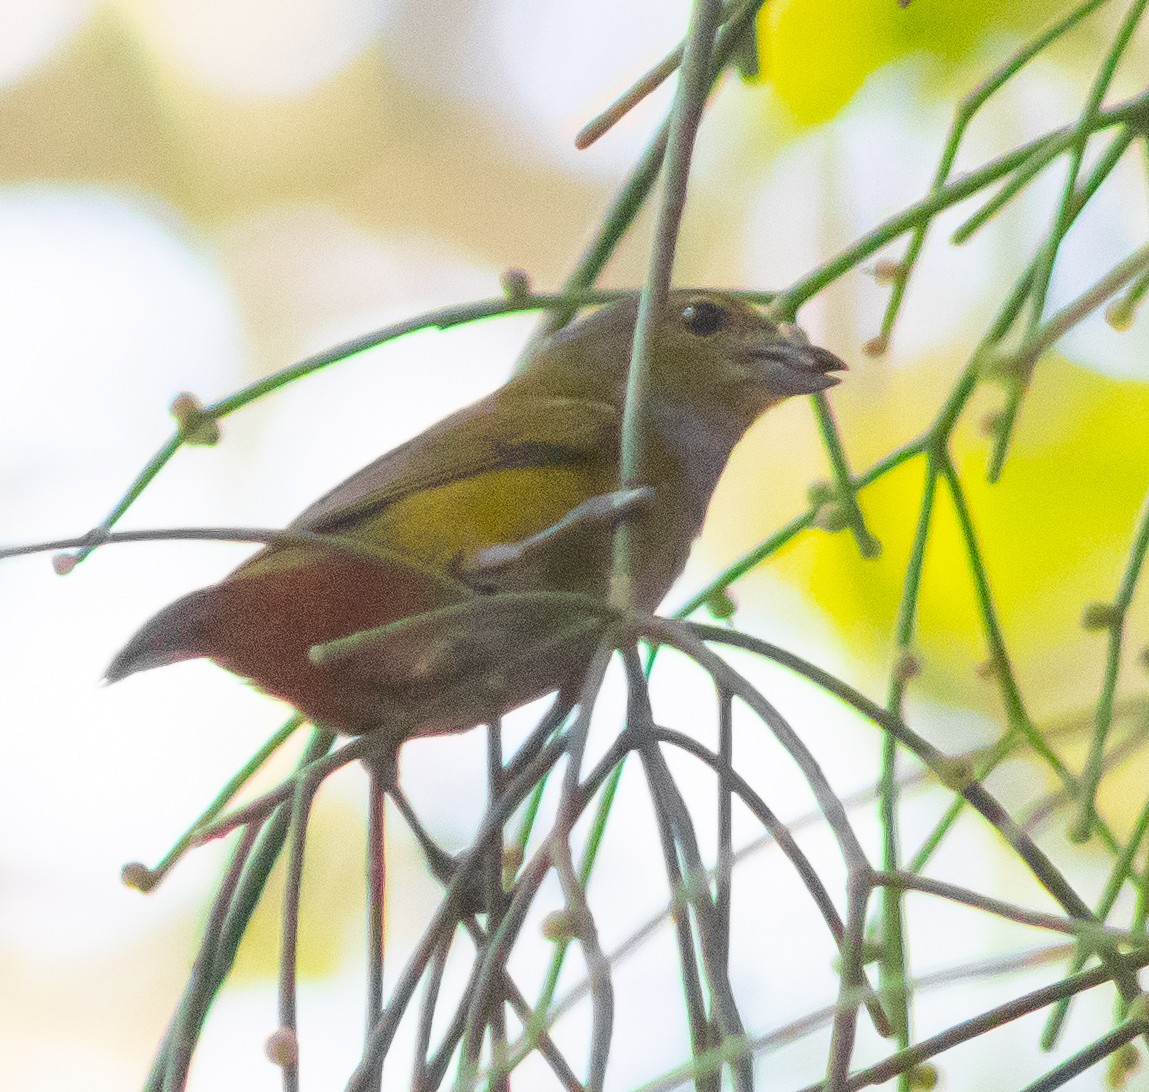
<point>495,434</point>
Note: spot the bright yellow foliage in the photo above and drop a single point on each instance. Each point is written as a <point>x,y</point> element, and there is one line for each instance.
<point>817,53</point>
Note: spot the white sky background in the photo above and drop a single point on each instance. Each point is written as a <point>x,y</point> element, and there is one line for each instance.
<point>111,302</point>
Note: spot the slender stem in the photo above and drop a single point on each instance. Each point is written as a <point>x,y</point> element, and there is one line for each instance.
<point>1089,1057</point>
<point>850,991</point>
<point>893,971</point>
<point>1117,877</point>
<point>923,211</point>
<point>496,901</point>
<point>694,82</point>
<point>1011,693</point>
<point>439,319</point>
<point>639,720</point>
<point>420,1076</point>
<point>753,558</point>
<point>724,879</point>
<point>646,84</point>
<point>364,551</point>
<point>598,967</point>
<point>444,921</point>
<point>376,899</point>
<point>634,192</point>
<point>289,940</point>
<point>1091,774</point>
<point>905,1060</point>
<point>1082,131</point>
<point>909,881</point>
<point>219,947</point>
<point>868,546</point>
<point>1008,190</point>
<point>1043,869</point>
<point>189,1018</point>
<point>967,110</point>
<point>222,799</point>
<point>1069,316</point>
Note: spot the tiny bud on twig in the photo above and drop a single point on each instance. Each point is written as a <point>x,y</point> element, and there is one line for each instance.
<point>819,493</point>
<point>872,951</point>
<point>1123,1063</point>
<point>956,774</point>
<point>282,1047</point>
<point>516,285</point>
<point>512,862</point>
<point>196,427</point>
<point>721,605</point>
<point>1078,836</point>
<point>832,518</point>
<point>64,563</point>
<point>998,366</point>
<point>924,1076</point>
<point>137,876</point>
<point>988,669</point>
<point>991,424</point>
<point>886,271</point>
<point>1119,314</point>
<point>907,666</point>
<point>564,924</point>
<point>1100,616</point>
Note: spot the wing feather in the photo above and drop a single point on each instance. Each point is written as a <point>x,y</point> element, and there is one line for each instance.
<point>494,434</point>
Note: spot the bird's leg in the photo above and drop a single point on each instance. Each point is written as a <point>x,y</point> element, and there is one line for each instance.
<point>604,510</point>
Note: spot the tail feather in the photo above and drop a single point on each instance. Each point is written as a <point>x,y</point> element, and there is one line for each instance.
<point>175,633</point>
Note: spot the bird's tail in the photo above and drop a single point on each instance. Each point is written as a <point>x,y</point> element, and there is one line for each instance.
<point>176,633</point>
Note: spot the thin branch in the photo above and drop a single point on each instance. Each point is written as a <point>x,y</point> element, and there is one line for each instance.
<point>685,117</point>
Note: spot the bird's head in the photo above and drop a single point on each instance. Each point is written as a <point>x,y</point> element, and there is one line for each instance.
<point>709,350</point>
<point>712,348</point>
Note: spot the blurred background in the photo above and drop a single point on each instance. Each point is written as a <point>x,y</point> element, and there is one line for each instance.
<point>194,195</point>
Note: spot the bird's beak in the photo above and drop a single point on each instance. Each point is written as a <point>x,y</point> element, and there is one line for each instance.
<point>791,365</point>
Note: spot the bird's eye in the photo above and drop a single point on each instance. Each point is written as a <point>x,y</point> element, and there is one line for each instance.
<point>703,319</point>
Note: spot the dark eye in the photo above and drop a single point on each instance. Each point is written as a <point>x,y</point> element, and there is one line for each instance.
<point>703,319</point>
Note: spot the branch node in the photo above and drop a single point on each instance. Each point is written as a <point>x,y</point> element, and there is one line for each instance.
<point>196,426</point>
<point>282,1048</point>
<point>138,877</point>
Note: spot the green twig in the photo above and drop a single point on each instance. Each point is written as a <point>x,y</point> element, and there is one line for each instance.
<point>966,111</point>
<point>1117,611</point>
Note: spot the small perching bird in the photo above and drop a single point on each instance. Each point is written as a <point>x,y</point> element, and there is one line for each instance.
<point>517,493</point>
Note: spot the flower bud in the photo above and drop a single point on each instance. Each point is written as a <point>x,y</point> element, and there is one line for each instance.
<point>1100,616</point>
<point>721,605</point>
<point>282,1047</point>
<point>1119,315</point>
<point>886,271</point>
<point>516,285</point>
<point>137,876</point>
<point>512,862</point>
<point>564,924</point>
<point>196,427</point>
<point>832,518</point>
<point>923,1077</point>
<point>1123,1063</point>
<point>64,563</point>
<point>907,666</point>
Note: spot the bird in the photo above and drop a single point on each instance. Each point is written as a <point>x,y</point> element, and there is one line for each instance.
<point>456,582</point>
